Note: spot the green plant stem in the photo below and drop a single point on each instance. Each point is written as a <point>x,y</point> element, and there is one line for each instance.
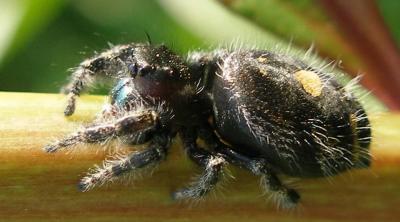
<point>35,186</point>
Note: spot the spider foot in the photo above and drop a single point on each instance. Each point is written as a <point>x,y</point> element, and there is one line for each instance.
<point>70,109</point>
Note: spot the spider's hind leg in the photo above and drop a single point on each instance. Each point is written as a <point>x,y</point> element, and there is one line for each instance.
<point>283,196</point>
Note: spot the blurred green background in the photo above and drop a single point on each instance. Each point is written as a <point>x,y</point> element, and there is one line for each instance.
<point>40,40</point>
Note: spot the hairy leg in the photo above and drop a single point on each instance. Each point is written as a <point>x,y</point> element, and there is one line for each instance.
<point>115,62</point>
<point>285,197</point>
<point>121,164</point>
<point>212,168</point>
<point>131,123</point>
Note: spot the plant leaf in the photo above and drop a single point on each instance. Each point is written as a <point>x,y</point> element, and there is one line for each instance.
<point>21,20</point>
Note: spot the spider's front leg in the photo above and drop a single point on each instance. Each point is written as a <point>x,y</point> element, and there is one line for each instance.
<point>122,164</point>
<point>134,122</point>
<point>212,167</point>
<point>116,62</point>
<point>284,197</point>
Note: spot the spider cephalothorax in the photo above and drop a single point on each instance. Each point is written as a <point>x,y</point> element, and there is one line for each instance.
<point>274,114</point>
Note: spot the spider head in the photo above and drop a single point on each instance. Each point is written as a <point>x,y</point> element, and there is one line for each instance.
<point>157,71</point>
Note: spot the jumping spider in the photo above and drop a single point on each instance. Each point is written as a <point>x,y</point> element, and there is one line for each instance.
<point>263,111</point>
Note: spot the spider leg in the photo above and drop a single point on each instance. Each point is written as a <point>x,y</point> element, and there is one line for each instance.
<point>114,62</point>
<point>285,197</point>
<point>111,110</point>
<point>112,169</point>
<point>131,123</point>
<point>212,168</point>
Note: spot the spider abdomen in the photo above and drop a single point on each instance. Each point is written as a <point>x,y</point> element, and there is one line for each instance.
<point>274,107</point>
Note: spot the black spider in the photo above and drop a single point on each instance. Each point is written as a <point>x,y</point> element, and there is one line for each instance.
<point>262,111</point>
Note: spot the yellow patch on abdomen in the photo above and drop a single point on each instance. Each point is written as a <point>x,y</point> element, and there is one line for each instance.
<point>310,81</point>
<point>262,59</point>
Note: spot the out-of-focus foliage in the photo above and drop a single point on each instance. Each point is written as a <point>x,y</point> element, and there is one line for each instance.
<point>79,29</point>
<point>40,40</point>
<point>300,21</point>
<point>390,10</point>
<point>20,20</point>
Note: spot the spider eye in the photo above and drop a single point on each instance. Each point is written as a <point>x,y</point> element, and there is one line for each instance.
<point>145,70</point>
<point>133,69</point>
<point>169,71</point>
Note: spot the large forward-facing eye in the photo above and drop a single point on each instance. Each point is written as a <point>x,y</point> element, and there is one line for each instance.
<point>145,70</point>
<point>133,69</point>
